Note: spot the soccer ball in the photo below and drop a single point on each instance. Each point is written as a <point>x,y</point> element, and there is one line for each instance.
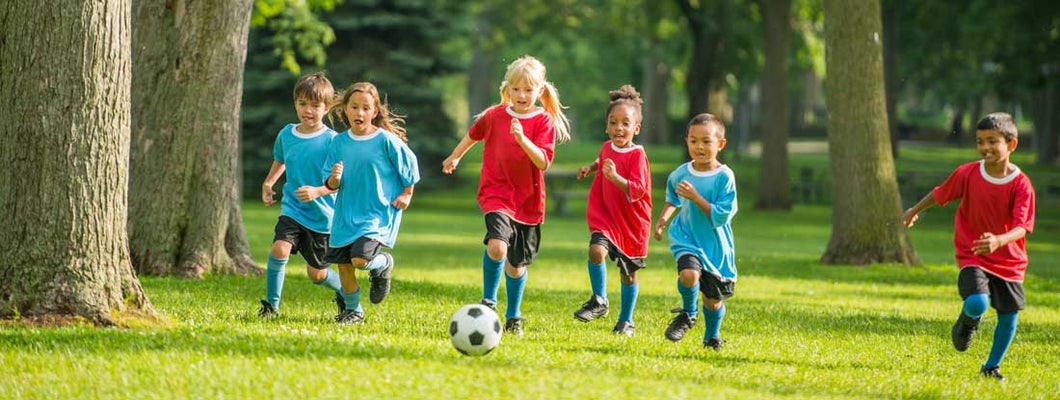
<point>475,330</point>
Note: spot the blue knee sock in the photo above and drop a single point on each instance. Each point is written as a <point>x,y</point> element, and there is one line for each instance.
<point>274,274</point>
<point>688,298</point>
<point>379,262</point>
<point>331,281</point>
<point>712,321</point>
<point>353,300</point>
<point>598,279</point>
<point>975,305</point>
<point>1003,334</point>
<point>629,301</point>
<point>515,294</point>
<point>491,277</point>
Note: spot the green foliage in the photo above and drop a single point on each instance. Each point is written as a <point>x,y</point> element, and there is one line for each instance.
<point>297,31</point>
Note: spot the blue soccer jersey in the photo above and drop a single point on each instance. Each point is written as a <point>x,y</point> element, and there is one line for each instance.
<point>302,155</point>
<point>708,237</point>
<point>376,169</point>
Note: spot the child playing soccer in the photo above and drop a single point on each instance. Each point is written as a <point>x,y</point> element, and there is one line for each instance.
<point>995,214</point>
<point>374,172</point>
<point>519,141</point>
<point>619,210</point>
<point>303,227</point>
<point>704,191</point>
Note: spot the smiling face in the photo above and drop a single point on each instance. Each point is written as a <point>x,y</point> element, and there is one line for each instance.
<point>704,144</point>
<point>523,96</point>
<point>310,114</point>
<point>360,110</point>
<point>623,124</point>
<point>993,147</point>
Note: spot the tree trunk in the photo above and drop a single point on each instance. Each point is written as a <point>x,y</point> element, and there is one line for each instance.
<point>774,191</point>
<point>483,66</point>
<point>655,129</point>
<point>704,73</point>
<point>184,216</point>
<point>890,69</point>
<point>65,143</point>
<point>1047,122</point>
<point>865,200</point>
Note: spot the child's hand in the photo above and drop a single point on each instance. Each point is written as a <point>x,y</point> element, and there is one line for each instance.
<point>336,171</point>
<point>517,130</point>
<point>449,165</point>
<point>686,190</point>
<point>402,201</point>
<point>659,226</point>
<point>266,195</point>
<point>909,218</point>
<point>307,193</point>
<point>986,244</point>
<point>607,167</point>
<point>584,172</point>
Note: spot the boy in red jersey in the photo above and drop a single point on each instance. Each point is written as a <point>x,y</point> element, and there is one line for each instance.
<point>995,215</point>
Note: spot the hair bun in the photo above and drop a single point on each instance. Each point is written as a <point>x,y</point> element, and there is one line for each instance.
<point>625,92</point>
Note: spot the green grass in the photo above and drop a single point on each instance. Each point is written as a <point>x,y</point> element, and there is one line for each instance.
<point>795,329</point>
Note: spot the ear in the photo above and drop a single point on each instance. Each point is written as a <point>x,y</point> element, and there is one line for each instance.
<point>1012,144</point>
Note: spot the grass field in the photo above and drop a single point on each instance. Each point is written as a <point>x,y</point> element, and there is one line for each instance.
<point>795,329</point>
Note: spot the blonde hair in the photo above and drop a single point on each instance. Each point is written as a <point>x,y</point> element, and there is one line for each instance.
<point>314,87</point>
<point>529,69</point>
<point>384,118</point>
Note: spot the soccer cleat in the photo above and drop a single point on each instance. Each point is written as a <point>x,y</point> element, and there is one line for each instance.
<point>992,373</point>
<point>381,281</point>
<point>595,308</point>
<point>514,326</point>
<point>489,303</point>
<point>349,317</point>
<point>267,310</point>
<point>963,330</point>
<point>714,343</point>
<point>623,328</point>
<point>341,302</point>
<point>680,325</point>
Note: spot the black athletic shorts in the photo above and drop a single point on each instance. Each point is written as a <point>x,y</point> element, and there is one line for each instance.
<point>711,286</point>
<point>1006,297</point>
<point>625,264</point>
<point>311,245</point>
<point>523,240</point>
<point>363,247</point>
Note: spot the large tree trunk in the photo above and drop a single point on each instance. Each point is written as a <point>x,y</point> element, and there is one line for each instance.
<point>774,191</point>
<point>890,69</point>
<point>655,129</point>
<point>865,201</point>
<point>65,147</point>
<point>183,196</point>
<point>483,67</point>
<point>707,47</point>
<point>1047,121</point>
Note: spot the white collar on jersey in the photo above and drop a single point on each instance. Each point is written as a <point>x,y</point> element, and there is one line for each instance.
<point>626,149</point>
<point>998,181</point>
<point>310,135</point>
<point>716,171</point>
<point>369,136</point>
<point>534,113</point>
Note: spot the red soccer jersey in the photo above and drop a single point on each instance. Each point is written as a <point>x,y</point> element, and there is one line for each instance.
<point>510,183</point>
<point>623,216</point>
<point>988,204</point>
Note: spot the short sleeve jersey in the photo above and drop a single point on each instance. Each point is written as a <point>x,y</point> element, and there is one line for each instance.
<point>989,204</point>
<point>376,169</point>
<point>623,216</point>
<point>708,237</point>
<point>302,155</point>
<point>510,183</point>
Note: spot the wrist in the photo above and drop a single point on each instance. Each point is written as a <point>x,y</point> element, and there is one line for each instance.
<point>327,184</point>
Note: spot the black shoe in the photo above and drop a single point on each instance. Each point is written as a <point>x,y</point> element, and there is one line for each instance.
<point>349,317</point>
<point>623,328</point>
<point>267,310</point>
<point>992,373</point>
<point>514,326</point>
<point>381,281</point>
<point>595,308</point>
<point>340,301</point>
<point>714,343</point>
<point>963,330</point>
<point>679,325</point>
<point>489,303</point>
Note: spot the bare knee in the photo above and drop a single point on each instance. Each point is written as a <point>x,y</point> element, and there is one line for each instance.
<point>688,277</point>
<point>497,249</point>
<point>316,275</point>
<point>711,304</point>
<point>280,249</point>
<point>359,263</point>
<point>597,253</point>
<point>629,279</point>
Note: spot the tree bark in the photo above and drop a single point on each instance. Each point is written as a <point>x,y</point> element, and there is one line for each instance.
<point>707,46</point>
<point>183,201</point>
<point>865,199</point>
<point>774,191</point>
<point>483,66</point>
<point>65,146</point>
<point>655,128</point>
<point>1047,121</point>
<point>890,69</point>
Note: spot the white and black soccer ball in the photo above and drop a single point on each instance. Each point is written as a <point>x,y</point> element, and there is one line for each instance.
<point>475,330</point>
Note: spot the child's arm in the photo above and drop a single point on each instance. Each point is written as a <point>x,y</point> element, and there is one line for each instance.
<point>686,190</point>
<point>988,242</point>
<point>664,217</point>
<point>910,216</point>
<point>333,181</point>
<point>608,169</point>
<point>270,180</point>
<point>537,156</point>
<point>309,193</point>
<point>450,163</point>
<point>588,169</point>
<point>403,199</point>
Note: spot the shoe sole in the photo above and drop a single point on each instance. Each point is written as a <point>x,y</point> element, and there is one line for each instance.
<point>583,319</point>
<point>375,297</point>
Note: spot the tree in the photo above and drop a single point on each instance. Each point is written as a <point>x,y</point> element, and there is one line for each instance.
<point>65,141</point>
<point>184,211</point>
<point>865,200</point>
<point>774,186</point>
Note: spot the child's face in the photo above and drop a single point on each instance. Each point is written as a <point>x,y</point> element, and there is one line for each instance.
<point>310,112</point>
<point>523,96</point>
<point>993,147</point>
<point>703,145</point>
<point>360,111</point>
<point>622,125</point>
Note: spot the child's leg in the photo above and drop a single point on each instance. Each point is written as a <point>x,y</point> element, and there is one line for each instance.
<point>688,286</point>
<point>274,272</point>
<point>975,305</point>
<point>630,289</point>
<point>598,270</point>
<point>1003,334</point>
<point>713,313</point>
<point>492,263</point>
<point>324,277</point>
<point>351,290</point>
<point>515,281</point>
